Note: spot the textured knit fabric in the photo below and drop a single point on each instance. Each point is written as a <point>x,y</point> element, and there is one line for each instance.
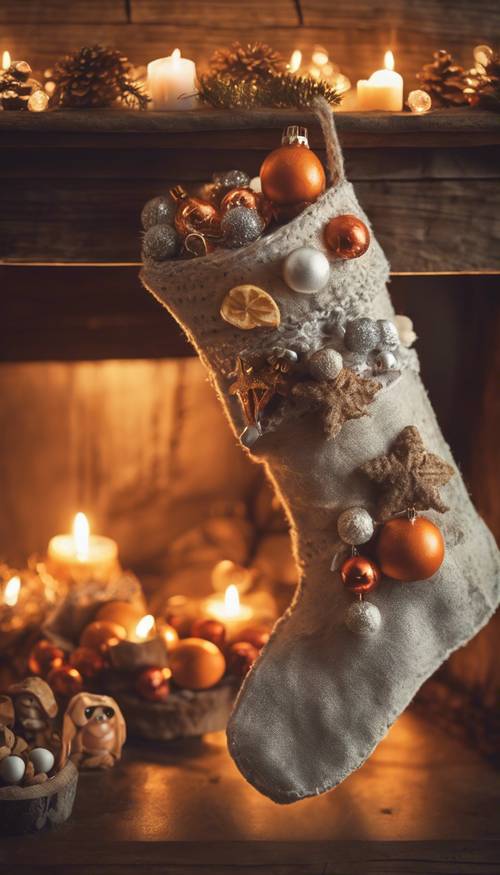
<point>319,698</point>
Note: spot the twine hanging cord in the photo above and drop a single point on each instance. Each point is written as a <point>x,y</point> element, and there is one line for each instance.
<point>334,157</point>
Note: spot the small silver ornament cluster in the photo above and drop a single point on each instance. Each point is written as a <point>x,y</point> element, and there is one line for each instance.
<point>161,241</point>
<point>355,526</point>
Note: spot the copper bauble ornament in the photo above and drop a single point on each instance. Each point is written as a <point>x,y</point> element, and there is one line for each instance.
<point>209,630</point>
<point>153,684</point>
<point>359,574</point>
<point>410,549</point>
<point>65,681</point>
<point>347,237</point>
<point>102,634</point>
<point>256,635</point>
<point>195,215</point>
<point>44,657</point>
<point>88,662</point>
<point>240,657</point>
<point>292,173</point>
<point>245,197</point>
<point>196,664</point>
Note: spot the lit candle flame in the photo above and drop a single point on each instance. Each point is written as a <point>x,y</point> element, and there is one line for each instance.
<point>11,591</point>
<point>389,61</point>
<point>81,534</point>
<point>231,601</point>
<point>6,60</point>
<point>320,57</point>
<point>144,627</point>
<point>176,54</point>
<point>295,61</point>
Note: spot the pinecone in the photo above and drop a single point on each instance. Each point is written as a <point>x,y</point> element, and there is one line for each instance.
<point>95,76</point>
<point>443,80</point>
<point>482,82</point>
<point>250,63</point>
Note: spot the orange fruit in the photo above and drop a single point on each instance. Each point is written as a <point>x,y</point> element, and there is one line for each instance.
<point>249,307</point>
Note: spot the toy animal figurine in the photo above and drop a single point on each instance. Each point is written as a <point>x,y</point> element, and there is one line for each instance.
<point>34,707</point>
<point>94,731</point>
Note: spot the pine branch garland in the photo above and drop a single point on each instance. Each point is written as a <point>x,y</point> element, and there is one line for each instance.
<point>281,90</point>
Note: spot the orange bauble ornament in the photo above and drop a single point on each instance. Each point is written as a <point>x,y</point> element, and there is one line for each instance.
<point>102,634</point>
<point>410,549</point>
<point>292,173</point>
<point>196,664</point>
<point>65,681</point>
<point>153,684</point>
<point>359,574</point>
<point>44,657</point>
<point>195,215</point>
<point>347,237</point>
<point>88,662</point>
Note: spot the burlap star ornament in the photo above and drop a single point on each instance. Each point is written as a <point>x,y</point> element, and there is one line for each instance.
<point>408,476</point>
<point>346,397</point>
<point>255,388</point>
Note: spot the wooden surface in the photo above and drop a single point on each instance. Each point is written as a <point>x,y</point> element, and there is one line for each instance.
<point>421,804</point>
<point>355,33</point>
<point>73,184</point>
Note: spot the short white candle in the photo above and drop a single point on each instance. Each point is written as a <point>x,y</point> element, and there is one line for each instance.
<point>172,82</point>
<point>81,556</point>
<point>230,611</point>
<point>383,90</point>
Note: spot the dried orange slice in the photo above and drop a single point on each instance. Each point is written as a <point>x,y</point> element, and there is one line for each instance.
<point>249,307</point>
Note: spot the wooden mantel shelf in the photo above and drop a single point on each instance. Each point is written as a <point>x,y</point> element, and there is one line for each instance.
<point>421,804</point>
<point>357,129</point>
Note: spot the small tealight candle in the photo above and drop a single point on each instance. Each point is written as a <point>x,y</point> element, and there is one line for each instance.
<point>81,556</point>
<point>172,82</point>
<point>383,90</point>
<point>230,611</point>
<point>144,648</point>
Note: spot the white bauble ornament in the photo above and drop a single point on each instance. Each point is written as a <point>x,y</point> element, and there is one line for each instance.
<point>12,769</point>
<point>256,185</point>
<point>325,364</point>
<point>42,759</point>
<point>355,526</point>
<point>363,618</point>
<point>306,270</point>
<point>385,361</point>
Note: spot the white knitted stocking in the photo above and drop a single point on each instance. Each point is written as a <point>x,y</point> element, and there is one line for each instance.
<point>320,697</point>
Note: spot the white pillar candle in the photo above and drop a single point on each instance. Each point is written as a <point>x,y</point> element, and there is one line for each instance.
<point>383,90</point>
<point>172,82</point>
<point>81,556</point>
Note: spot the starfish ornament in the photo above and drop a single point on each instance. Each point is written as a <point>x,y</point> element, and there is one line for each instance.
<point>346,397</point>
<point>255,388</point>
<point>408,476</point>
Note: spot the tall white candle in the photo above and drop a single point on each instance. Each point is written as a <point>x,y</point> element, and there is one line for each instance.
<point>383,90</point>
<point>172,82</point>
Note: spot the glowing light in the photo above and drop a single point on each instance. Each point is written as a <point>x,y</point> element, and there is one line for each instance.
<point>38,101</point>
<point>11,591</point>
<point>320,57</point>
<point>389,61</point>
<point>295,61</point>
<point>231,601</point>
<point>176,54</point>
<point>6,60</point>
<point>81,535</point>
<point>144,627</point>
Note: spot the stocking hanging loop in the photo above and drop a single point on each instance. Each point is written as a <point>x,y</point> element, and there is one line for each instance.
<point>334,156</point>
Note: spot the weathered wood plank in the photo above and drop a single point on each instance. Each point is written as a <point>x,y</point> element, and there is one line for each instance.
<point>57,12</point>
<point>99,222</point>
<point>219,14</point>
<point>357,51</point>
<point>421,804</point>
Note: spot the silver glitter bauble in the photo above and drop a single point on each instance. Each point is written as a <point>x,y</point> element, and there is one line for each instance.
<point>227,179</point>
<point>355,526</point>
<point>325,364</point>
<point>160,243</point>
<point>250,435</point>
<point>306,270</point>
<point>362,335</point>
<point>385,361</point>
<point>241,226</point>
<point>388,334</point>
<point>363,618</point>
<point>158,211</point>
